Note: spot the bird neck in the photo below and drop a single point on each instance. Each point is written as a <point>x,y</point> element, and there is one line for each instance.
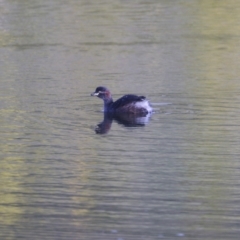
<point>107,103</point>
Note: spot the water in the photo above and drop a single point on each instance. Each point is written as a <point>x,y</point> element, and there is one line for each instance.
<point>171,176</point>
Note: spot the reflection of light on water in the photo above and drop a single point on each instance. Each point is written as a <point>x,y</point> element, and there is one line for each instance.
<point>160,104</point>
<point>180,234</point>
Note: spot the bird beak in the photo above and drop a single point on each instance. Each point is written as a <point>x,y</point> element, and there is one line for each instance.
<point>94,94</point>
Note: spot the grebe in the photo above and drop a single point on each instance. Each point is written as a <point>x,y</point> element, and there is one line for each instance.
<point>132,104</point>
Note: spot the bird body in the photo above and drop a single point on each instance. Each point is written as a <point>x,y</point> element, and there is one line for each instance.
<point>131,104</point>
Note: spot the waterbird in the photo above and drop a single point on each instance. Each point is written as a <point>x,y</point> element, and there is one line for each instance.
<point>130,103</point>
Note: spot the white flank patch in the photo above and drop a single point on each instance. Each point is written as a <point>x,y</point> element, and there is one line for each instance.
<point>144,104</point>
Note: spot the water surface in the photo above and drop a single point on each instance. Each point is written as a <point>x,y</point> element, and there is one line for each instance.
<point>173,176</point>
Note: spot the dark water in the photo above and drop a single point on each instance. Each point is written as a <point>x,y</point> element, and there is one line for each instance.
<point>172,176</point>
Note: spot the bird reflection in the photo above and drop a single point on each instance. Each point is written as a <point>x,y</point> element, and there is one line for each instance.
<point>128,120</point>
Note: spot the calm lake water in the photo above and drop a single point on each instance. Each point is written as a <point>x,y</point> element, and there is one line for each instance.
<point>174,175</point>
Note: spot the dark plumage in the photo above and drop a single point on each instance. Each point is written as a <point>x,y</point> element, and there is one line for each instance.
<point>130,103</point>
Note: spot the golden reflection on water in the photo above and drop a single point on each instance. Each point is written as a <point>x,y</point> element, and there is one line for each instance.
<point>216,54</point>
<point>217,28</point>
<point>11,170</point>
